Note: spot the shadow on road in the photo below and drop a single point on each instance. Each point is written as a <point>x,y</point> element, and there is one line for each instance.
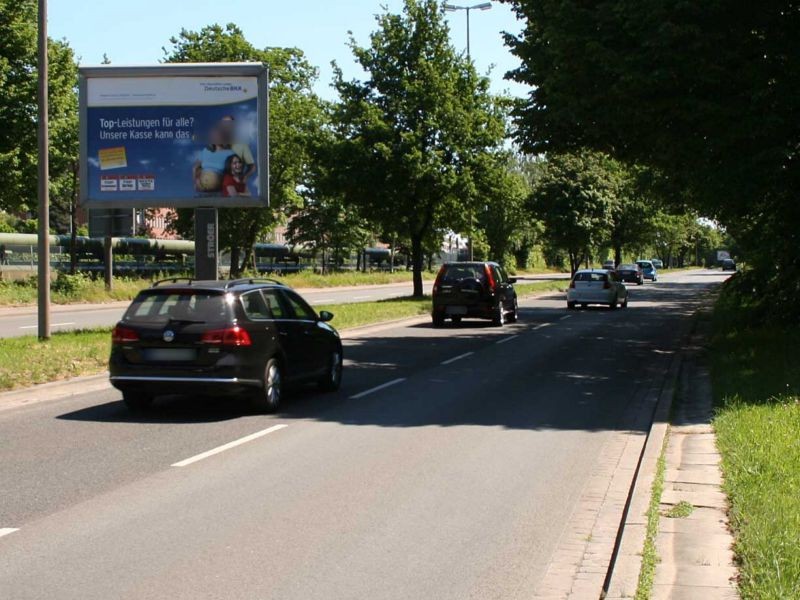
<point>576,374</point>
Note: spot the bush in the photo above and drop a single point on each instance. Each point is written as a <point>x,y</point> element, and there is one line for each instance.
<point>71,286</point>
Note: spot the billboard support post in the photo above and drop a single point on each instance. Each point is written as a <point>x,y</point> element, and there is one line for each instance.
<point>206,243</point>
<point>43,255</point>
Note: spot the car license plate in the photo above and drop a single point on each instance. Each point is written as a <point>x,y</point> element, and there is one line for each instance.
<point>456,310</point>
<point>169,354</point>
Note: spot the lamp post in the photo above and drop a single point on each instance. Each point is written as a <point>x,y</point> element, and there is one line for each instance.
<point>43,191</point>
<point>467,9</point>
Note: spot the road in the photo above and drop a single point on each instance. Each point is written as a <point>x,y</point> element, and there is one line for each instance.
<point>451,464</point>
<point>21,321</point>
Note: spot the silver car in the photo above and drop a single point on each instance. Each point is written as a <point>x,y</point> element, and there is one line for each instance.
<point>597,286</point>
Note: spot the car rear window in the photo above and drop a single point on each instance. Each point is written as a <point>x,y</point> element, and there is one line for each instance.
<point>590,277</point>
<point>455,273</point>
<point>179,305</point>
<point>627,267</point>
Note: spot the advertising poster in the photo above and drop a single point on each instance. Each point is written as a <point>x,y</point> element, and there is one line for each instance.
<point>172,141</point>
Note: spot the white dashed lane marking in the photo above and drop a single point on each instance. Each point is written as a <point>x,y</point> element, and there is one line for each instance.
<point>377,388</point>
<point>229,445</point>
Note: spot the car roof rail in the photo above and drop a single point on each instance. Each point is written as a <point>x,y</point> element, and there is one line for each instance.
<point>245,280</point>
<point>188,280</point>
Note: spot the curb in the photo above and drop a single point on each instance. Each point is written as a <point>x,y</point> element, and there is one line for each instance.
<point>622,580</point>
<point>54,390</point>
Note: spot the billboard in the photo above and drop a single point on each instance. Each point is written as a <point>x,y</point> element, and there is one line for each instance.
<point>176,135</point>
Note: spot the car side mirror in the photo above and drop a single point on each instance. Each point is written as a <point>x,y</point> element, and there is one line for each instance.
<point>512,280</point>
<point>325,316</point>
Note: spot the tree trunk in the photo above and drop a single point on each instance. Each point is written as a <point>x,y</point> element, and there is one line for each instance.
<point>417,258</point>
<point>234,272</point>
<point>617,255</point>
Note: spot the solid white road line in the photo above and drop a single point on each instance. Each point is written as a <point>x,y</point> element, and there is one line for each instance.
<point>51,325</point>
<point>362,297</point>
<point>508,339</point>
<point>7,530</point>
<point>325,301</point>
<point>229,445</point>
<point>455,358</point>
<point>542,325</point>
<point>565,317</point>
<point>377,388</point>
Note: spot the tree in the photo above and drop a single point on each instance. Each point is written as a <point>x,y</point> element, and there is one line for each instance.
<point>505,220</point>
<point>18,111</point>
<point>296,116</point>
<point>406,135</point>
<point>707,93</point>
<point>575,197</point>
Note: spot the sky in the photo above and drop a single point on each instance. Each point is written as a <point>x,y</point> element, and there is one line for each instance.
<point>135,32</point>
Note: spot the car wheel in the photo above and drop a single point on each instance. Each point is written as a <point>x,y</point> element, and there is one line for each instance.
<point>332,379</point>
<point>570,306</point>
<point>514,316</point>
<point>499,318</point>
<point>438,321</point>
<point>640,282</point>
<point>625,302</point>
<point>268,397</point>
<point>137,401</point>
<point>456,320</point>
<point>613,305</point>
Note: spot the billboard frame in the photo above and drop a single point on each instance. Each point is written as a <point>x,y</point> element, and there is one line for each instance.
<point>171,70</point>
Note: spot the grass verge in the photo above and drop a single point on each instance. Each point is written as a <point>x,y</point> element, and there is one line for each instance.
<point>649,553</point>
<point>756,377</point>
<point>25,361</point>
<point>524,289</point>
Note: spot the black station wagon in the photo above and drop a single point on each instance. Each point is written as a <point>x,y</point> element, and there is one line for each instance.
<point>245,336</point>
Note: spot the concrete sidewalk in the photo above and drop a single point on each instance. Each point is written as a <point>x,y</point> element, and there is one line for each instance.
<point>694,552</point>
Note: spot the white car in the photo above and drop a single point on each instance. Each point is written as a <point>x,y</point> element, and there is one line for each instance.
<point>597,286</point>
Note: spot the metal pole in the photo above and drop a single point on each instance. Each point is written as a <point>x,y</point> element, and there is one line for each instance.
<point>44,182</point>
<point>468,54</point>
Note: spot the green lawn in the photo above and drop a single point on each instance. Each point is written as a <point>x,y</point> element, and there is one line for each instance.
<point>756,378</point>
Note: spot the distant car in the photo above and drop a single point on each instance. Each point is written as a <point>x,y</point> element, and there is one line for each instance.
<point>246,336</point>
<point>473,289</point>
<point>728,264</point>
<point>596,286</point>
<point>649,270</point>
<point>631,273</point>
<point>657,263</point>
<point>609,264</point>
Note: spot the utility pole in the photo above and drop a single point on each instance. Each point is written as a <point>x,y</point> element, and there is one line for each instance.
<point>452,8</point>
<point>43,189</point>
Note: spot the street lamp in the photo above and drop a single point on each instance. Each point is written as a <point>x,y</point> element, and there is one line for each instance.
<point>467,9</point>
<point>481,6</point>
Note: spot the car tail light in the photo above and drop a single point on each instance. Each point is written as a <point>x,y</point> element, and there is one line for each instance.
<point>123,335</point>
<point>438,281</point>
<point>490,278</point>
<point>232,336</point>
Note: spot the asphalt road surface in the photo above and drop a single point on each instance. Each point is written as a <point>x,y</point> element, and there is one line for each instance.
<point>23,321</point>
<point>448,466</point>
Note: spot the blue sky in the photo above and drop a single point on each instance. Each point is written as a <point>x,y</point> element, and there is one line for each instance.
<point>135,32</point>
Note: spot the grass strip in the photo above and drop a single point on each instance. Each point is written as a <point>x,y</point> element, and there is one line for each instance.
<point>755,372</point>
<point>649,552</point>
<point>25,361</point>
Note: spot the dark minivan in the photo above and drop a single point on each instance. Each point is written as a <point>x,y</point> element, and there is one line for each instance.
<point>246,336</point>
<point>474,289</point>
